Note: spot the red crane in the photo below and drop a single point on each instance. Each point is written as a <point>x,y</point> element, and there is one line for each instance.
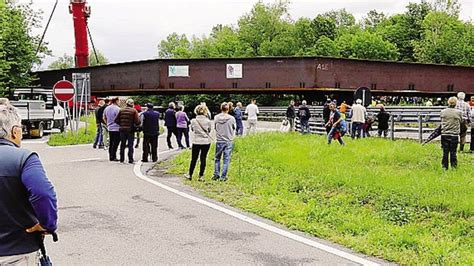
<point>80,12</point>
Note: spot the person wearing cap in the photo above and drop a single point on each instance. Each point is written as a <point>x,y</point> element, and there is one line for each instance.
<point>151,130</point>
<point>127,119</point>
<point>451,120</point>
<point>358,115</point>
<point>465,109</point>
<point>28,204</point>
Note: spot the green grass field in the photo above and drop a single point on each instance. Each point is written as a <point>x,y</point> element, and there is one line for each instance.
<point>70,138</point>
<point>388,199</point>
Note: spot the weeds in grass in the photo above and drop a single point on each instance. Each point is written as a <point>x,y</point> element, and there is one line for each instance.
<point>384,198</point>
<point>71,138</point>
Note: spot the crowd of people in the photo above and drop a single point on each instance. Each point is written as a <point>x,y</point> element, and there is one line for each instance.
<point>33,209</point>
<point>116,128</point>
<point>119,127</point>
<point>335,119</point>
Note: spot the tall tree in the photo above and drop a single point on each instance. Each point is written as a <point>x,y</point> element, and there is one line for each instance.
<point>227,43</point>
<point>343,20</point>
<point>18,43</point>
<point>283,44</point>
<point>324,26</point>
<point>63,62</point>
<point>304,36</point>
<point>263,24</point>
<point>405,29</point>
<point>373,19</point>
<point>100,60</point>
<point>366,45</point>
<point>445,40</point>
<point>175,46</point>
<point>67,61</point>
<point>325,47</point>
<point>450,7</point>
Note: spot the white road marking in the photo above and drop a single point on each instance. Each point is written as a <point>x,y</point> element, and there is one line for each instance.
<point>276,230</point>
<point>329,249</point>
<point>87,160</point>
<point>69,146</point>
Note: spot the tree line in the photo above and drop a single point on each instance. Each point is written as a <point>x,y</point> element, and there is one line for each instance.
<point>427,32</point>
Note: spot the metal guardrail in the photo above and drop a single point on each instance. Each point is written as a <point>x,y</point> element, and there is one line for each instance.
<point>406,119</point>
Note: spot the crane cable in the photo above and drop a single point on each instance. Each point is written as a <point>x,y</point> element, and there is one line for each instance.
<point>47,25</point>
<point>93,46</point>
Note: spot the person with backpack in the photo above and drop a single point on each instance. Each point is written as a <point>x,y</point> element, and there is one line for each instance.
<point>201,127</point>
<point>304,115</point>
<point>335,122</point>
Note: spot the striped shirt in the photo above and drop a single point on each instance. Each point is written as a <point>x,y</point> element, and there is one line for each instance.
<point>465,109</point>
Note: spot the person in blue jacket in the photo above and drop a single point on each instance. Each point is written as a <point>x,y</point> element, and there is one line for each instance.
<point>170,124</point>
<point>27,198</point>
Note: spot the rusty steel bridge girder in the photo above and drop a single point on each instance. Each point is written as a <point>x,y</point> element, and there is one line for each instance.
<point>270,75</point>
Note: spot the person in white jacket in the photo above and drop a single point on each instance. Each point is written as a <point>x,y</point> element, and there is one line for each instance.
<point>252,111</point>
<point>358,115</point>
<point>201,127</point>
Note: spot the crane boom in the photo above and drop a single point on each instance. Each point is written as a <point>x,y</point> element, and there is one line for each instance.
<point>80,12</point>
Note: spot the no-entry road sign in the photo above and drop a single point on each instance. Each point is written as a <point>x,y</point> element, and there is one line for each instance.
<point>63,90</point>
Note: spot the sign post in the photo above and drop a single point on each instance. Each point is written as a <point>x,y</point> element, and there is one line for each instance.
<point>64,91</point>
<point>82,83</point>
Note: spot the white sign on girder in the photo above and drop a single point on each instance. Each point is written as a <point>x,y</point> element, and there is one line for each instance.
<point>234,71</point>
<point>178,71</point>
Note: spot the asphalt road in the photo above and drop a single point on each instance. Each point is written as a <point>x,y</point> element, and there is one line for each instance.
<point>108,216</point>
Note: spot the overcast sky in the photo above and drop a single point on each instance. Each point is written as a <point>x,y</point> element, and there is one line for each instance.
<point>130,30</point>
